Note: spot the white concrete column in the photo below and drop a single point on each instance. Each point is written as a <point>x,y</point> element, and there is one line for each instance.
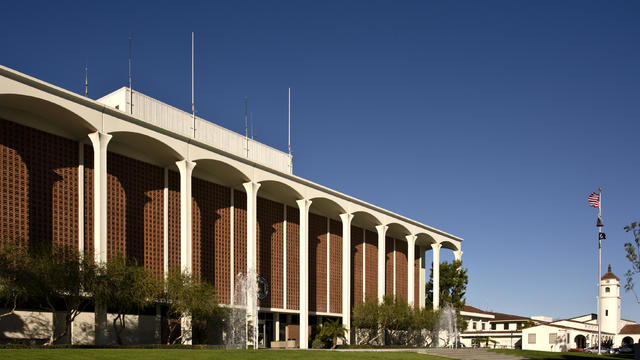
<point>411,254</point>
<point>304,206</point>
<point>276,324</point>
<point>436,275</point>
<point>100,141</point>
<point>186,168</point>
<point>382,254</point>
<point>346,274</point>
<point>423,276</point>
<point>251,188</point>
<point>457,255</point>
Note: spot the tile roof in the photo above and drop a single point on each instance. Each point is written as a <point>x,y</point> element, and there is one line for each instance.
<point>469,308</point>
<point>630,329</point>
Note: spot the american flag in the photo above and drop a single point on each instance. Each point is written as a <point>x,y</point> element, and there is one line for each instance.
<point>594,200</point>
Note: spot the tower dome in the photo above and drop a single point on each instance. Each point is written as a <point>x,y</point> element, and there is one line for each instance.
<point>610,302</point>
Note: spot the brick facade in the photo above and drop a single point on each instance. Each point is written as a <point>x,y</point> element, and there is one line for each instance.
<point>388,266</point>
<point>335,267</point>
<point>416,274</point>
<point>317,263</point>
<point>211,234</point>
<point>293,258</point>
<point>240,232</point>
<point>401,269</point>
<point>371,265</point>
<point>88,200</point>
<point>39,186</point>
<point>174,219</point>
<point>357,262</point>
<point>135,211</point>
<point>270,246</point>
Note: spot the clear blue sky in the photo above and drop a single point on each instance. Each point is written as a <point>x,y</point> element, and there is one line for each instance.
<point>491,120</point>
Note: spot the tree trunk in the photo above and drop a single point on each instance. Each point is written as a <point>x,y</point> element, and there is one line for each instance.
<point>115,327</point>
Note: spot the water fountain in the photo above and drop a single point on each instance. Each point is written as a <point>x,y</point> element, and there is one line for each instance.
<point>242,318</point>
<point>447,327</point>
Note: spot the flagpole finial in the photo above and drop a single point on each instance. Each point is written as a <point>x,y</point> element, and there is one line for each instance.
<point>600,188</point>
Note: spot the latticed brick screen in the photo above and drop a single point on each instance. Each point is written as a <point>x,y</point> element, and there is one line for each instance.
<point>293,258</point>
<point>88,201</point>
<point>135,211</point>
<point>174,219</point>
<point>371,266</point>
<point>240,232</point>
<point>401,269</point>
<point>335,267</point>
<point>416,274</point>
<point>39,186</point>
<point>317,263</point>
<point>388,266</point>
<point>357,261</point>
<point>270,244</point>
<point>211,233</point>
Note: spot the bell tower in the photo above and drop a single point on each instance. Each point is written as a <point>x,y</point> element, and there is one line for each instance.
<point>610,302</point>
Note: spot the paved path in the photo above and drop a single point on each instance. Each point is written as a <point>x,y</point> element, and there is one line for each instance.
<point>469,354</point>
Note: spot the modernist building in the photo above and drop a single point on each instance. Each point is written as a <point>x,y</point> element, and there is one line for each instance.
<point>582,331</point>
<point>131,174</point>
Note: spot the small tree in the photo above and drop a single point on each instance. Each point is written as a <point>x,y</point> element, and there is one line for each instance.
<point>395,316</point>
<point>123,287</point>
<point>184,295</point>
<point>13,267</point>
<point>453,285</point>
<point>365,319</point>
<point>425,319</point>
<point>58,274</point>
<point>332,330</point>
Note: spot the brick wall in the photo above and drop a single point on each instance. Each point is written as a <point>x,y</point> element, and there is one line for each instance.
<point>240,232</point>
<point>38,186</point>
<point>371,266</point>
<point>416,275</point>
<point>317,263</point>
<point>357,261</point>
<point>211,234</point>
<point>335,267</point>
<point>174,219</point>
<point>270,245</point>
<point>388,266</point>
<point>135,211</point>
<point>401,269</point>
<point>293,258</point>
<point>88,201</point>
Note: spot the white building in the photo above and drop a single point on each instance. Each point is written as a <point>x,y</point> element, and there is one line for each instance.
<point>582,331</point>
<point>492,329</point>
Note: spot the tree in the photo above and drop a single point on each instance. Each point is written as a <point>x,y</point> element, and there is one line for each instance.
<point>453,285</point>
<point>14,259</point>
<point>425,319</point>
<point>184,295</point>
<point>332,330</point>
<point>365,319</point>
<point>395,317</point>
<point>633,255</point>
<point>123,287</point>
<point>58,274</point>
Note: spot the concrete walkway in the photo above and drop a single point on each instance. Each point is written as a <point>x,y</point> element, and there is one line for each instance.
<point>469,354</point>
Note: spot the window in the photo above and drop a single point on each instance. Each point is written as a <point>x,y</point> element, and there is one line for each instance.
<point>518,326</point>
<point>532,338</point>
<point>607,289</point>
<point>506,326</point>
<point>606,313</point>
<point>553,338</point>
<point>483,326</point>
<point>493,326</point>
<point>474,325</point>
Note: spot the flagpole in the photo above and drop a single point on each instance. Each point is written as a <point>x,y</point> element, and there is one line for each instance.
<point>599,271</point>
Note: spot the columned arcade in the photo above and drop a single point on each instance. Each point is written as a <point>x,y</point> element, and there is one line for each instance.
<point>84,173</point>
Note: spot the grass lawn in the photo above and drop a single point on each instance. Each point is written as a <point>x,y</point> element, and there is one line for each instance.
<point>161,354</point>
<point>559,355</point>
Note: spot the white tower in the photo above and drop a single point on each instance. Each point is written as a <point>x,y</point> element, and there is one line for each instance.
<point>610,302</point>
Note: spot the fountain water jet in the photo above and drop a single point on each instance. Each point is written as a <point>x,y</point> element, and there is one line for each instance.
<point>447,327</point>
<point>242,318</point>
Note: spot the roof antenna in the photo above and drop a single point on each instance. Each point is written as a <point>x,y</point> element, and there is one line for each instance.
<point>86,80</point>
<point>246,126</point>
<point>252,124</point>
<point>193,104</point>
<point>289,125</point>
<point>130,83</point>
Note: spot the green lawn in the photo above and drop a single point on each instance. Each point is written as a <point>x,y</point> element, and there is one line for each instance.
<point>559,355</point>
<point>162,354</point>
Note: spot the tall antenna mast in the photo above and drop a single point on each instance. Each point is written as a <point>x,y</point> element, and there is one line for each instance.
<point>246,126</point>
<point>289,125</point>
<point>193,104</point>
<point>86,81</point>
<point>130,83</point>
